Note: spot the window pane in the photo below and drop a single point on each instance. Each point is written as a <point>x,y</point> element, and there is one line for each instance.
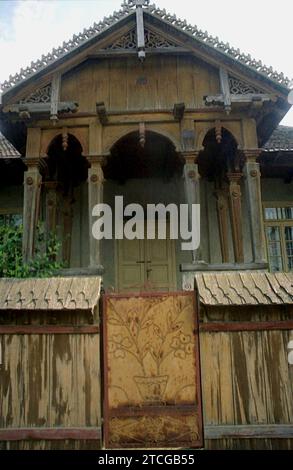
<point>14,220</point>
<point>276,264</point>
<point>273,233</point>
<point>275,249</point>
<point>289,233</point>
<point>289,247</point>
<point>287,213</point>
<point>290,263</point>
<point>271,213</point>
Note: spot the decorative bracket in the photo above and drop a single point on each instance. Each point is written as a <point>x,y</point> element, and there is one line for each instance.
<point>218,131</point>
<point>102,113</point>
<point>178,111</point>
<point>142,135</point>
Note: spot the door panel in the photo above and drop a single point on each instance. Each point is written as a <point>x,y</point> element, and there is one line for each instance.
<point>146,265</point>
<point>161,270</point>
<point>152,371</point>
<point>130,265</point>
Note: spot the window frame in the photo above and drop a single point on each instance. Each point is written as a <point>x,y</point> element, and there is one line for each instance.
<point>12,211</point>
<point>281,224</point>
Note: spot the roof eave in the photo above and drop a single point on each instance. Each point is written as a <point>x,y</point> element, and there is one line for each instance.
<point>8,94</point>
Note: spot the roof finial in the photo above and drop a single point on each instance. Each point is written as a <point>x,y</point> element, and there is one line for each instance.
<point>136,3</point>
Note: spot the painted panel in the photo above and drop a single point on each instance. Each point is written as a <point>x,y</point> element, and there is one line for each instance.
<point>152,387</point>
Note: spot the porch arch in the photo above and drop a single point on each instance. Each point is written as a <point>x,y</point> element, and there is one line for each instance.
<point>116,135</point>
<point>137,155</point>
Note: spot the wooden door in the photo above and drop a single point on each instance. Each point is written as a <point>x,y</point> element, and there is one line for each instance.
<point>151,371</point>
<point>146,265</point>
<point>160,265</point>
<point>131,266</point>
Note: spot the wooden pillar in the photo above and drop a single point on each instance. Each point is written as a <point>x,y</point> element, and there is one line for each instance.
<point>253,195</point>
<point>236,214</point>
<point>223,212</point>
<point>192,188</point>
<point>95,196</point>
<point>67,213</point>
<point>32,191</point>
<point>51,206</point>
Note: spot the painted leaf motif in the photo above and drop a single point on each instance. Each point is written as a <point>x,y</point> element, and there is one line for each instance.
<point>126,343</point>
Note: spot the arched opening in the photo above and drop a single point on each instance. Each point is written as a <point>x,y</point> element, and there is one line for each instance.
<point>221,164</point>
<point>144,168</point>
<point>137,156</point>
<point>220,156</point>
<point>65,163</point>
<point>64,195</point>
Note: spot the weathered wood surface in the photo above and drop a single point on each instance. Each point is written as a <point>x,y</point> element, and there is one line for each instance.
<point>246,378</point>
<point>276,431</point>
<point>56,434</point>
<point>246,326</point>
<point>50,381</point>
<point>52,444</point>
<point>47,330</point>
<point>122,84</point>
<point>249,444</point>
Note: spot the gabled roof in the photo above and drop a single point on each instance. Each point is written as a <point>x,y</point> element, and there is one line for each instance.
<point>127,10</point>
<point>281,140</point>
<point>7,150</point>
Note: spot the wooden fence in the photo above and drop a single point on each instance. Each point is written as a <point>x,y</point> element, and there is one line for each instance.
<point>50,380</point>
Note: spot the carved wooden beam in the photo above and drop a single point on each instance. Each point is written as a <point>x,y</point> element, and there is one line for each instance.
<point>55,96</point>
<point>219,100</point>
<point>225,88</point>
<point>178,111</point>
<point>41,108</point>
<point>140,30</point>
<point>102,113</point>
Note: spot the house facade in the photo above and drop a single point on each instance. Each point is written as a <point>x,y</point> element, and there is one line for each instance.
<point>143,105</point>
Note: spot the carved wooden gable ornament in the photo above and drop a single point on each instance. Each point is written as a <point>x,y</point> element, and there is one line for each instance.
<point>143,29</point>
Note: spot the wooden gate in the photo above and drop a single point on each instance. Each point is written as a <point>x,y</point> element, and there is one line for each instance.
<point>151,371</point>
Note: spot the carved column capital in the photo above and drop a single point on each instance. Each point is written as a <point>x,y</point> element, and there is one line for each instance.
<point>234,178</point>
<point>32,162</point>
<point>97,159</point>
<point>251,155</point>
<point>190,156</point>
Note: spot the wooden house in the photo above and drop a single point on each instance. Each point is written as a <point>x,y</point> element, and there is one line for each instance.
<point>145,106</point>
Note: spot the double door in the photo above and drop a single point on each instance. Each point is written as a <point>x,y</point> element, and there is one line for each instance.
<point>146,265</point>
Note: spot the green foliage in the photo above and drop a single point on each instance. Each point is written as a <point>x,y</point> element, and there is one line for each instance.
<point>44,263</point>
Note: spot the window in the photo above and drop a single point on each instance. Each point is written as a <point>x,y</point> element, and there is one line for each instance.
<point>13,219</point>
<point>279,236</point>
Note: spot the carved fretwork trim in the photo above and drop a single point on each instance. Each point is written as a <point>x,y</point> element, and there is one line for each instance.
<point>42,95</point>
<point>152,41</point>
<point>239,87</point>
<point>128,8</point>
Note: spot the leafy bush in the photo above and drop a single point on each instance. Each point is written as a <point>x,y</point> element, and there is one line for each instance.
<point>44,263</point>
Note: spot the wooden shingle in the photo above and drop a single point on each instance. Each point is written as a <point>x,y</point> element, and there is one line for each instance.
<point>59,293</point>
<point>245,288</point>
